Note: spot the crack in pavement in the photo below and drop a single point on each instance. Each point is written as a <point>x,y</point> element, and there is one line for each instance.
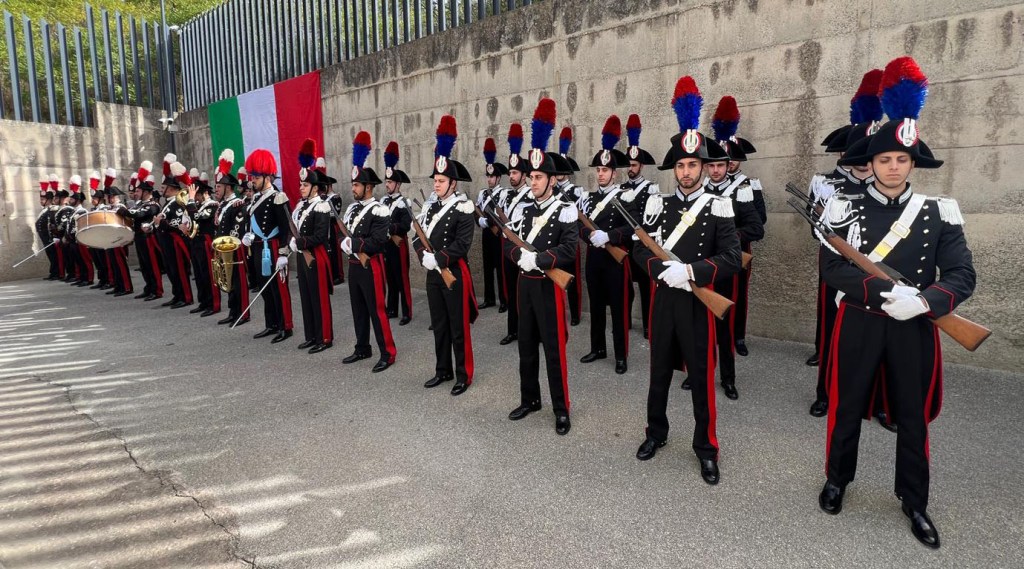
<point>177,489</point>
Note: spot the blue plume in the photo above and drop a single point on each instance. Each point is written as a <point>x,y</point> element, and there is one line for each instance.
<point>904,100</point>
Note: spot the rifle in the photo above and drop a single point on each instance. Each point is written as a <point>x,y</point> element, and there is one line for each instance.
<point>476,209</point>
<point>558,276</point>
<point>295,233</point>
<point>363,257</point>
<point>618,254</point>
<point>446,274</point>
<point>33,254</point>
<point>716,303</point>
<point>966,333</point>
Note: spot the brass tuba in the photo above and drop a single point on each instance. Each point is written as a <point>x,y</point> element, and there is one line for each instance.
<point>224,248</point>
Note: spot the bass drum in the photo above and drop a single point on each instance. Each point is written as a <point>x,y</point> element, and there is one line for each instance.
<point>104,230</point>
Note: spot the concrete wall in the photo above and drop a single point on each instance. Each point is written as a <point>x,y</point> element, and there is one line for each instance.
<point>793,66</point>
<point>124,136</point>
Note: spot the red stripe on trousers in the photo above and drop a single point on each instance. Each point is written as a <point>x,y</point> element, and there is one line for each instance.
<point>578,283</point>
<point>403,254</point>
<point>157,275</point>
<point>282,288</point>
<point>377,268</point>
<point>833,380</point>
<point>467,336</point>
<point>181,257</point>
<point>563,338</point>
<point>83,251</point>
<point>323,273</point>
<point>821,316</point>
<point>60,259</point>
<point>934,388</point>
<point>710,379</point>
<point>732,313</point>
<point>214,289</point>
<point>121,258</point>
<point>627,287</point>
<point>501,267</point>
<point>243,278</point>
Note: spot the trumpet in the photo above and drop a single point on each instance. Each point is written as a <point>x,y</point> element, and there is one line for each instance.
<point>193,227</point>
<point>224,248</point>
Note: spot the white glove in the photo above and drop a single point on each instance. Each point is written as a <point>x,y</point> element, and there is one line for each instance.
<point>293,245</point>
<point>282,264</point>
<point>903,290</point>
<point>185,223</point>
<point>247,239</point>
<point>482,222</point>
<point>429,262</point>
<point>676,275</point>
<point>346,245</point>
<point>599,238</point>
<point>147,227</point>
<point>528,261</point>
<point>56,239</point>
<point>903,307</point>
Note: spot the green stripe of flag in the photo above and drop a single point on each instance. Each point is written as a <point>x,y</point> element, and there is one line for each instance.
<point>226,130</point>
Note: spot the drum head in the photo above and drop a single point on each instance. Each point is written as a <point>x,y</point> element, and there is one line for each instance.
<point>105,236</point>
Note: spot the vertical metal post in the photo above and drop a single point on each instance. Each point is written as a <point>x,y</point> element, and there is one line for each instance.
<point>442,16</point>
<point>467,11</point>
<point>327,7</point>
<point>396,19</point>
<point>354,23</point>
<point>160,52</point>
<point>121,62</point>
<point>364,18</point>
<point>323,16</point>
<point>30,57</point>
<point>262,41</point>
<point>191,73</point>
<point>510,5</point>
<point>12,64</point>
<point>481,12</point>
<point>274,41</point>
<point>91,22</point>
<point>136,70</point>
<point>405,21</point>
<point>47,47</point>
<point>376,27</point>
<point>149,63</point>
<point>106,56</point>
<point>419,17</point>
<point>65,74</point>
<point>237,32</point>
<point>430,17</point>
<point>495,7</point>
<point>82,91</point>
<point>385,28</point>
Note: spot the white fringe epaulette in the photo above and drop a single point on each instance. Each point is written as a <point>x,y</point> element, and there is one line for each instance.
<point>281,198</point>
<point>745,194</point>
<point>401,203</point>
<point>381,210</point>
<point>821,188</point>
<point>518,213</point>
<point>465,206</point>
<point>837,210</point>
<point>322,207</point>
<point>629,196</point>
<point>568,214</point>
<point>949,211</point>
<point>655,204</point>
<point>653,189</point>
<point>721,207</point>
<point>755,184</point>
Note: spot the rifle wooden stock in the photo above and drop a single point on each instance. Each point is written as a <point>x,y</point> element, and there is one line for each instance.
<point>295,233</point>
<point>716,303</point>
<point>558,276</point>
<point>446,274</point>
<point>618,254</point>
<point>396,239</point>
<point>363,257</point>
<point>745,259</point>
<point>479,214</point>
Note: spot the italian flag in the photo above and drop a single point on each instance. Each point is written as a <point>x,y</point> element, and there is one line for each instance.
<point>279,118</point>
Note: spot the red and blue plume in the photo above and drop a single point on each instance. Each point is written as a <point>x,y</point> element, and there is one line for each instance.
<point>865,105</point>
<point>903,89</point>
<point>307,153</point>
<point>565,140</point>
<point>490,151</point>
<point>543,124</point>
<point>727,118</point>
<point>611,133</point>
<point>687,102</point>
<point>515,138</point>
<point>391,155</point>
<point>633,129</point>
<point>447,132</point>
<point>361,148</point>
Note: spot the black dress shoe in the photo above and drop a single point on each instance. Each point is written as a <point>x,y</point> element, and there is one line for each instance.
<point>405,320</point>
<point>180,304</point>
<point>524,410</point>
<point>562,424</point>
<point>153,297</point>
<point>143,295</point>
<point>240,322</point>
<point>509,339</point>
<point>111,291</point>
<point>819,408</point>
<point>502,308</point>
<point>83,283</point>
<point>208,312</point>
<point>730,391</point>
<point>230,318</point>
<point>487,304</point>
<point>97,285</point>
<point>593,357</point>
<point>281,336</point>
<point>709,470</point>
<point>320,347</point>
<point>687,384</point>
<point>306,345</point>
<point>649,448</point>
<point>922,527</point>
<point>459,388</point>
<point>431,327</point>
<point>884,420</point>
<point>741,348</point>
<point>392,314</point>
<point>831,498</point>
<point>123,293</point>
<point>620,367</point>
<point>170,302</point>
<point>355,357</point>
<point>381,365</point>
<point>437,380</point>
<point>574,322</point>
<point>813,360</point>
<point>104,286</point>
<point>197,310</point>
<point>264,333</point>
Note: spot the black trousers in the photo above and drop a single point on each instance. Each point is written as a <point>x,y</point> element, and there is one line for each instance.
<point>743,298</point>
<point>200,250</point>
<point>827,310</point>
<point>238,297</point>
<point>146,249</point>
<point>335,253</point>
<point>314,294</point>
<point>99,258</point>
<point>51,255</point>
<point>575,290</point>
<point>450,314</point>
<point>120,275</point>
<point>911,355</point>
<point>490,248</point>
<point>608,288</point>
<point>277,299</point>
<point>643,282</point>
<point>366,289</point>
<point>509,280</point>
<point>725,331</point>
<point>176,263</point>
<point>542,322</point>
<point>396,263</point>
<point>682,325</point>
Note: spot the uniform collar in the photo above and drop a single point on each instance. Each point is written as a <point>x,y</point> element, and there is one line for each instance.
<point>848,174</point>
<point>689,198</point>
<point>604,191</point>
<point>635,182</point>
<point>885,200</point>
<point>547,202</point>
<point>716,187</point>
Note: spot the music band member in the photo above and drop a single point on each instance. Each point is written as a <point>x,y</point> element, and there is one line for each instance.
<point>232,220</point>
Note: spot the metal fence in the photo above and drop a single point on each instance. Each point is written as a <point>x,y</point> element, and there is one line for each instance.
<point>243,45</point>
<point>126,61</point>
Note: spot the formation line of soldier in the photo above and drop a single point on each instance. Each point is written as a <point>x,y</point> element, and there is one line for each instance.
<point>684,253</point>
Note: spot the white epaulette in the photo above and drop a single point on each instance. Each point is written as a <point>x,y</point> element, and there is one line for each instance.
<point>401,203</point>
<point>465,206</point>
<point>323,207</point>
<point>745,194</point>
<point>949,210</point>
<point>653,189</point>
<point>569,213</point>
<point>655,204</point>
<point>518,213</point>
<point>837,209</point>
<point>381,210</point>
<point>281,198</point>
<point>629,196</point>
<point>755,184</point>
<point>721,207</point>
<point>821,188</point>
